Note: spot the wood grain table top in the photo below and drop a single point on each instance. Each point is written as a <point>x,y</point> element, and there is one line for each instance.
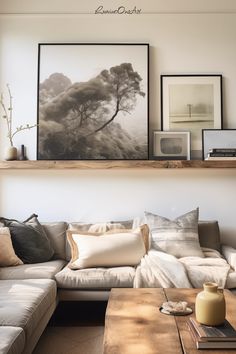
<point>134,324</point>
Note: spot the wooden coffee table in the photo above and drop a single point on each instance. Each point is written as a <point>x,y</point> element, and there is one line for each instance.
<point>134,324</point>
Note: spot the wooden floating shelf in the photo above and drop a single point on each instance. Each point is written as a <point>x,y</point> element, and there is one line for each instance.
<point>114,164</point>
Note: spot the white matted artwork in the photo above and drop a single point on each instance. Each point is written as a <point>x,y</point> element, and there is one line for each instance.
<point>217,139</point>
<point>171,145</point>
<point>191,103</point>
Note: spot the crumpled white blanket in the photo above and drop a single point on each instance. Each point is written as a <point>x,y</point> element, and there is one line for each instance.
<point>159,269</point>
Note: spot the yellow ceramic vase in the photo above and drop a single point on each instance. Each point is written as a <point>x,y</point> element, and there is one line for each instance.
<point>210,305</point>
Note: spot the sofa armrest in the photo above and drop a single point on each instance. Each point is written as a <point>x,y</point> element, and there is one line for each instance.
<point>230,255</point>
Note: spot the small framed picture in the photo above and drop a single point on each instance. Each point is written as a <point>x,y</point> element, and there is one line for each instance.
<point>171,145</point>
<point>217,139</point>
<point>191,103</point>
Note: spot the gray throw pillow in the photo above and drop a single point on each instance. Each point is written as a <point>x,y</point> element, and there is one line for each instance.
<point>178,237</point>
<point>29,240</point>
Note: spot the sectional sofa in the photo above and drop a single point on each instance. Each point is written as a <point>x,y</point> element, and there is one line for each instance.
<point>29,293</point>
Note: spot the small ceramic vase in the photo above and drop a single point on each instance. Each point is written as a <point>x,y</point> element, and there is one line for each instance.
<point>22,155</point>
<point>10,153</point>
<point>210,305</point>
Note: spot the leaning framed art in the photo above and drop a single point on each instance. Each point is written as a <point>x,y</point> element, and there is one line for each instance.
<point>171,145</point>
<point>191,103</point>
<point>92,101</point>
<point>218,139</point>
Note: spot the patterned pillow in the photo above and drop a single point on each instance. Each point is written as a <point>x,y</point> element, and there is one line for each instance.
<point>7,253</point>
<point>178,237</point>
<point>29,240</point>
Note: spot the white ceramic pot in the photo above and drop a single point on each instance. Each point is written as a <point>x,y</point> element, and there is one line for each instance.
<point>10,153</point>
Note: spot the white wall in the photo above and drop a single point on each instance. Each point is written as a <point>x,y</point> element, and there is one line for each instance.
<point>180,43</point>
<point>147,6</point>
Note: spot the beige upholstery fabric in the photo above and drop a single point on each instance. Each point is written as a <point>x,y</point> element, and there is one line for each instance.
<point>95,278</point>
<point>56,232</point>
<point>7,253</point>
<point>38,330</point>
<point>46,270</point>
<point>24,302</point>
<point>230,255</point>
<point>106,250</point>
<point>209,234</point>
<point>12,340</point>
<point>178,237</point>
<point>231,279</point>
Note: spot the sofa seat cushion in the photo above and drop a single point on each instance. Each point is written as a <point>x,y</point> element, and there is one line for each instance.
<point>46,270</point>
<point>24,302</point>
<point>12,340</point>
<point>96,278</point>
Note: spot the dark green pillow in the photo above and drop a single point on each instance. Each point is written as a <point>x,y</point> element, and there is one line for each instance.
<point>29,240</point>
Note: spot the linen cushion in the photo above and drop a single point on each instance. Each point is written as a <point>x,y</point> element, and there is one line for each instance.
<point>106,250</point>
<point>56,233</point>
<point>209,234</point>
<point>12,340</point>
<point>45,270</point>
<point>178,237</point>
<point>29,240</point>
<point>96,278</point>
<point>25,302</point>
<point>95,227</point>
<point>7,253</point>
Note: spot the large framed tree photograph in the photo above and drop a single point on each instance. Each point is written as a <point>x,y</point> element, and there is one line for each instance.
<point>92,101</point>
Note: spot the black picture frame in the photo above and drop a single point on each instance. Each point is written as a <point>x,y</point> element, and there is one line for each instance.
<point>192,102</point>
<point>93,101</point>
<point>217,139</point>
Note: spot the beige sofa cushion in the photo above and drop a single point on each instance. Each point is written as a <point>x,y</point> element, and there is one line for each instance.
<point>209,234</point>
<point>12,340</point>
<point>7,253</point>
<point>96,227</point>
<point>178,237</point>
<point>46,270</point>
<point>24,302</point>
<point>96,278</point>
<point>116,248</point>
<point>56,233</point>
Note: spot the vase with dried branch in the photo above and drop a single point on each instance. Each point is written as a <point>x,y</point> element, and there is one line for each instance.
<point>11,151</point>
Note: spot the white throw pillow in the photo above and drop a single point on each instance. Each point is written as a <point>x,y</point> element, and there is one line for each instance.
<point>178,237</point>
<point>111,249</point>
<point>7,253</point>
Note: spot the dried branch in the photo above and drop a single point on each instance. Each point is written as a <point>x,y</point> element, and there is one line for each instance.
<point>7,115</point>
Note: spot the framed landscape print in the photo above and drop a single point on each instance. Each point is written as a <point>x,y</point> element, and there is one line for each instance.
<point>192,103</point>
<point>171,145</point>
<point>92,101</point>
